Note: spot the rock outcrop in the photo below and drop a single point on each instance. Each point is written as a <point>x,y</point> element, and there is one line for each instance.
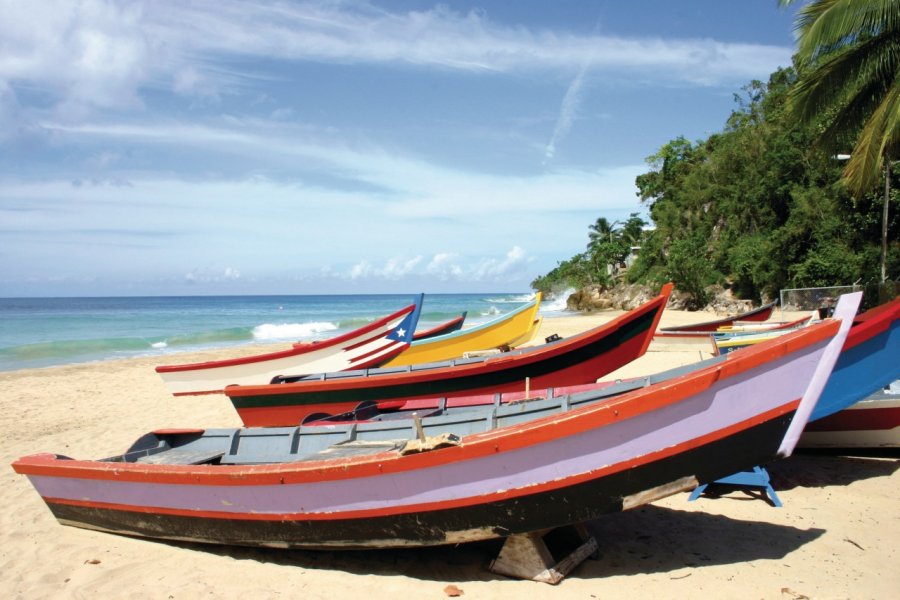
<point>628,296</point>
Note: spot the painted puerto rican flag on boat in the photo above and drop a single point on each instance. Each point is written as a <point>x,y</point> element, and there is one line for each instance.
<point>381,347</point>
<point>369,346</point>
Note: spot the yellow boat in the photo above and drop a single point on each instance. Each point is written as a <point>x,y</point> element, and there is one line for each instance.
<point>528,335</point>
<point>510,330</point>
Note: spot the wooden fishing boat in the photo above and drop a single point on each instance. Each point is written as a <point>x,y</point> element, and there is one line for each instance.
<point>705,341</point>
<point>868,361</point>
<point>579,359</point>
<point>526,337</point>
<point>513,328</point>
<point>741,327</point>
<point>727,340</point>
<point>870,423</point>
<point>454,324</point>
<point>367,346</point>
<point>457,477</point>
<point>758,314</point>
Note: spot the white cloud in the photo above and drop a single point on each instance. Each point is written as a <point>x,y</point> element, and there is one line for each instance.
<point>394,269</point>
<point>493,269</point>
<point>445,266</point>
<point>567,112</point>
<point>325,31</point>
<point>92,54</point>
<point>207,275</point>
<point>416,189</point>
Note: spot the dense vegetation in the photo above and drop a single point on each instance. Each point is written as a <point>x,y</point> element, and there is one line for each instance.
<point>757,208</point>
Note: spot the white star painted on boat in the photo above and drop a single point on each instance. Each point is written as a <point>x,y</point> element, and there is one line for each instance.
<point>401,332</point>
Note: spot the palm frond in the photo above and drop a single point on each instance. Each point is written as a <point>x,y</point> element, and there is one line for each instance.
<point>825,25</point>
<point>880,134</point>
<point>855,76</point>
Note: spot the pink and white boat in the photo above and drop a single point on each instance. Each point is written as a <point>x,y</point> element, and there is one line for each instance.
<point>368,346</point>
<point>450,476</point>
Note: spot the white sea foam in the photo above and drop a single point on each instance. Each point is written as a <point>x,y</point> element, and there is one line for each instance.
<point>511,299</point>
<point>159,345</point>
<point>558,302</point>
<point>492,311</point>
<point>268,332</point>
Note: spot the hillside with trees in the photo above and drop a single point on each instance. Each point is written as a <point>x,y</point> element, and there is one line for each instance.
<point>756,208</point>
<point>794,192</point>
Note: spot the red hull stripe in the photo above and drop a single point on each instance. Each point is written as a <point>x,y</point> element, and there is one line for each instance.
<point>476,445</point>
<point>490,365</point>
<point>463,502</point>
<point>860,419</point>
<point>756,315</point>
<point>380,354</point>
<point>288,414</point>
<point>379,335</point>
<point>294,351</point>
<point>872,322</point>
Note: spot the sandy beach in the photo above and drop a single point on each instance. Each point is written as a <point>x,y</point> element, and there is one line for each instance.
<point>836,536</point>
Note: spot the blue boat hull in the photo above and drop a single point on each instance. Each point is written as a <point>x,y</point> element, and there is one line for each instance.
<point>861,371</point>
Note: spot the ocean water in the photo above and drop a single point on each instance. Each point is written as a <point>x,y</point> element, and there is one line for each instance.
<point>40,332</point>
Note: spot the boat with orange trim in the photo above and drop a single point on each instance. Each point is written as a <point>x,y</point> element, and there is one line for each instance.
<point>582,358</point>
<point>454,476</point>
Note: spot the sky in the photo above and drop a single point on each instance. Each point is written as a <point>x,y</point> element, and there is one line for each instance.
<point>333,147</point>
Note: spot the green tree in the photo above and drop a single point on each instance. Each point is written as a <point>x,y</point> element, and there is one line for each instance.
<point>689,268</point>
<point>632,232</point>
<point>756,207</point>
<point>605,253</point>
<point>601,230</point>
<point>849,58</point>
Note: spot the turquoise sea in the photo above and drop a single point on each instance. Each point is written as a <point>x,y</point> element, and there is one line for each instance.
<point>40,332</point>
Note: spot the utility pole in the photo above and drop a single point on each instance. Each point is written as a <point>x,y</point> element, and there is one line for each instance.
<point>884,216</point>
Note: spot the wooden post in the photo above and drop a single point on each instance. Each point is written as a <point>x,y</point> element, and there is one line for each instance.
<point>527,555</point>
<point>884,216</point>
<point>419,430</point>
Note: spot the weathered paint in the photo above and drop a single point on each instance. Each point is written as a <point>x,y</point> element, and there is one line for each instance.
<point>545,473</point>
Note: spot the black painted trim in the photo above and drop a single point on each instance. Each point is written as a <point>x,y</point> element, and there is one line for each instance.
<point>575,504</point>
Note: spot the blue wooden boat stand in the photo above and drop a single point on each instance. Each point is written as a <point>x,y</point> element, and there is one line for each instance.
<point>756,479</point>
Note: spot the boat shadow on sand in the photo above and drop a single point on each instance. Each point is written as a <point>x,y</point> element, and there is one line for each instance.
<point>833,467</point>
<point>644,540</point>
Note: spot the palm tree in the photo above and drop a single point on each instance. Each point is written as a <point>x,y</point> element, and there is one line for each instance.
<point>601,231</point>
<point>633,230</point>
<point>849,64</point>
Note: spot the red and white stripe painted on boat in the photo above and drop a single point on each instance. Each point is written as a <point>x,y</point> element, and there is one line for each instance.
<point>361,348</point>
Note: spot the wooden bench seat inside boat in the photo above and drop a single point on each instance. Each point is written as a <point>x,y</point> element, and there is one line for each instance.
<point>181,456</point>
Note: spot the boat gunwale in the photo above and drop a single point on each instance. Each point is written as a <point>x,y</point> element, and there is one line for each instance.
<point>533,304</point>
<point>294,350</point>
<point>873,322</point>
<point>490,364</point>
<point>455,324</point>
<point>754,315</point>
<point>628,405</point>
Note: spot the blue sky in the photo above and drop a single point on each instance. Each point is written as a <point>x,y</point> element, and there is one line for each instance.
<point>230,147</point>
